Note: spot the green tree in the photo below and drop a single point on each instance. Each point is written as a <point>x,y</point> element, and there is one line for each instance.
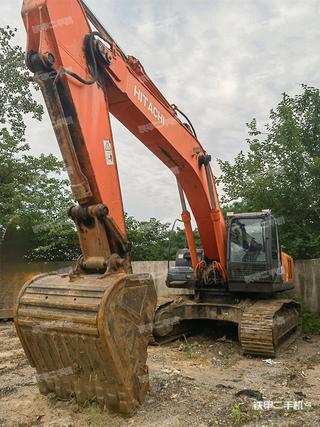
<point>34,195</point>
<point>151,240</point>
<point>281,171</point>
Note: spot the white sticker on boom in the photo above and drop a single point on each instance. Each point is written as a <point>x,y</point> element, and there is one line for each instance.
<point>108,152</point>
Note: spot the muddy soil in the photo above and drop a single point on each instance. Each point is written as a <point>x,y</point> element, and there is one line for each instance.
<point>201,380</point>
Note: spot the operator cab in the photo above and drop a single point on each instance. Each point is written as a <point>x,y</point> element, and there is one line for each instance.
<point>254,259</point>
<point>254,254</point>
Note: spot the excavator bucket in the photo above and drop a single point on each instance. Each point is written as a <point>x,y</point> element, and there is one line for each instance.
<point>87,336</point>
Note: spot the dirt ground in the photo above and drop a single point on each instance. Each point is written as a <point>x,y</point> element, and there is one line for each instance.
<point>201,380</point>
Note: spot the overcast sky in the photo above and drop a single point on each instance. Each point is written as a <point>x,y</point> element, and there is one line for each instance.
<point>222,62</point>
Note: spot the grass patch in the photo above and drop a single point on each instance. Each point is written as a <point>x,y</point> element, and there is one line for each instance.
<point>310,322</point>
<point>242,413</point>
<point>237,415</point>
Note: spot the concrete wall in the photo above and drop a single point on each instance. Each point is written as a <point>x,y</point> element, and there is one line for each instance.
<point>12,277</point>
<point>158,269</point>
<point>307,283</point>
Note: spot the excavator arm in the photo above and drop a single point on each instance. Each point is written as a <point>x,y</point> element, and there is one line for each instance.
<point>86,333</point>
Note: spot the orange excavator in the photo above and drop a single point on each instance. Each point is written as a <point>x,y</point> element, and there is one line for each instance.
<point>87,332</point>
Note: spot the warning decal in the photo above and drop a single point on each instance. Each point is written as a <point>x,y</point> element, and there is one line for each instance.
<point>108,152</point>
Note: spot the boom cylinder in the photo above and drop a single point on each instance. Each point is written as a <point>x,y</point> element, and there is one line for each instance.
<point>186,218</point>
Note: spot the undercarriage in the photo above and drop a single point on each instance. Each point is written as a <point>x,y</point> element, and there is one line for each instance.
<point>264,325</point>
